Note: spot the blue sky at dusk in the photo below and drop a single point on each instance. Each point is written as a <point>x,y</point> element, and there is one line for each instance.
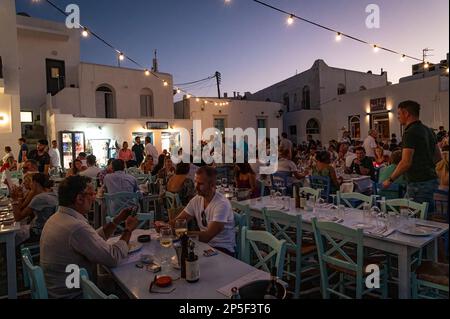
<point>251,45</point>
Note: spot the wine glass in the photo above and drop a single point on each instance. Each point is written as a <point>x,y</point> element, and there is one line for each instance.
<point>180,227</point>
<point>224,182</point>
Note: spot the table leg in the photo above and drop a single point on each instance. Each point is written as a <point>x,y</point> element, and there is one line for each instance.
<point>11,266</point>
<point>432,250</point>
<point>404,274</point>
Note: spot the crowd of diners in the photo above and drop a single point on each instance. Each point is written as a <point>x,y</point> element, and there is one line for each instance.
<point>55,216</point>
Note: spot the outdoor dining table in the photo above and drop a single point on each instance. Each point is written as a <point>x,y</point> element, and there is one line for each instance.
<point>216,273</point>
<point>8,236</point>
<point>392,241</point>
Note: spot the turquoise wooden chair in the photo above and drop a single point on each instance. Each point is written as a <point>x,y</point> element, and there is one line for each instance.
<point>315,193</point>
<point>355,200</point>
<point>392,192</point>
<point>172,200</point>
<point>90,290</point>
<point>244,211</point>
<point>349,268</point>
<point>35,276</point>
<point>425,283</point>
<point>239,222</point>
<point>115,203</point>
<point>279,224</point>
<point>417,210</point>
<point>275,258</point>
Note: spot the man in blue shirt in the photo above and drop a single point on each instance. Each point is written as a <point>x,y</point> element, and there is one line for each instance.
<point>119,182</point>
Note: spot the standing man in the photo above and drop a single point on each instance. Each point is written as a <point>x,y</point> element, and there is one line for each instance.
<point>150,149</point>
<point>138,150</point>
<point>55,156</point>
<point>41,156</point>
<point>23,153</point>
<point>370,143</point>
<point>419,157</point>
<point>286,144</point>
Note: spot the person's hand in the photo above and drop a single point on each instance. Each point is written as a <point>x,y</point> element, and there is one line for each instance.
<point>357,161</point>
<point>159,225</point>
<point>123,215</point>
<point>131,223</point>
<point>387,184</point>
<point>16,193</point>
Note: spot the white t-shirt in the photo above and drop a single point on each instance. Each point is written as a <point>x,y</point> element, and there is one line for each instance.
<point>55,157</point>
<point>369,145</point>
<point>285,165</point>
<point>151,150</point>
<point>349,158</point>
<point>218,210</point>
<point>91,172</point>
<point>286,144</point>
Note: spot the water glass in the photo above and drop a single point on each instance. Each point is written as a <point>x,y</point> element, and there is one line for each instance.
<point>181,227</point>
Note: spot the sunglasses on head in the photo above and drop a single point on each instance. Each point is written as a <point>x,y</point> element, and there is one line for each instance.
<point>204,221</point>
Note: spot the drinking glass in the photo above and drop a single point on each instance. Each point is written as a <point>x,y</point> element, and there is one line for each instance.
<point>165,240</point>
<point>224,182</point>
<point>180,227</point>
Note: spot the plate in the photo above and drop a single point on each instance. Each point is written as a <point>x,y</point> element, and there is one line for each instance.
<point>416,231</point>
<point>134,247</point>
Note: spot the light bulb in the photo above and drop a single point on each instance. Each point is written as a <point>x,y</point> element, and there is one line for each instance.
<point>121,57</point>
<point>165,83</point>
<point>402,59</point>
<point>338,37</point>
<point>147,72</point>
<point>375,48</point>
<point>85,33</point>
<point>290,20</point>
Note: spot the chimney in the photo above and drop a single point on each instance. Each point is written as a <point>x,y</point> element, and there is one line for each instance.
<point>225,95</point>
<point>234,94</point>
<point>382,71</point>
<point>155,62</point>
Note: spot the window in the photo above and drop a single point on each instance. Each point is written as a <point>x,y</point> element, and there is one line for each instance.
<point>312,127</point>
<point>286,101</point>
<point>293,130</point>
<point>306,98</point>
<point>219,123</point>
<point>147,107</point>
<point>26,117</point>
<point>341,89</point>
<point>105,104</point>
<point>354,122</point>
<point>262,123</point>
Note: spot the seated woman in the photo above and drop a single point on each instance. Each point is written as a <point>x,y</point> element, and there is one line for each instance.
<point>77,168</point>
<point>8,162</point>
<point>148,164</point>
<point>386,172</point>
<point>167,171</point>
<point>159,165</point>
<point>442,169</point>
<point>181,184</point>
<point>323,168</point>
<point>380,159</point>
<point>245,177</point>
<point>43,204</point>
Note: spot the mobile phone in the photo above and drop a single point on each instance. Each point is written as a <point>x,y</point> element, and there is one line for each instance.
<point>154,268</point>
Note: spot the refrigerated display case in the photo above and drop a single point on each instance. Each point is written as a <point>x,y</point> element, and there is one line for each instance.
<point>100,148</point>
<point>71,145</point>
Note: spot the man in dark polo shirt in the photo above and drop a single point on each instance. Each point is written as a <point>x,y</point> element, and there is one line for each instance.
<point>362,164</point>
<point>419,157</point>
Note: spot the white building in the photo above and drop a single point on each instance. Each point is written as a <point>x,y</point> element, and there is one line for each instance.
<point>377,108</point>
<point>304,94</point>
<point>9,78</point>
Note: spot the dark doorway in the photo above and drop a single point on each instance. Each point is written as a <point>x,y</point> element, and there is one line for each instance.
<point>56,76</point>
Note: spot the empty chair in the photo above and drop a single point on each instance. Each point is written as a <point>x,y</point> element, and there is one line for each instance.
<point>117,202</point>
<point>90,290</point>
<point>349,269</point>
<point>416,210</point>
<point>35,276</point>
<point>172,200</point>
<point>354,200</point>
<point>273,258</point>
<point>323,183</point>
<point>430,281</point>
<point>289,228</point>
<point>315,193</point>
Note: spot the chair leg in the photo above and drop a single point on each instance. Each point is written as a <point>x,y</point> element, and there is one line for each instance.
<point>298,274</point>
<point>341,283</point>
<point>385,290</point>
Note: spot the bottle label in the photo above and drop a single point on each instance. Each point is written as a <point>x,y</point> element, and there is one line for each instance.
<point>192,271</point>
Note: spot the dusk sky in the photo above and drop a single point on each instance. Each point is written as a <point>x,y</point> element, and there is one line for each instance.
<point>251,45</point>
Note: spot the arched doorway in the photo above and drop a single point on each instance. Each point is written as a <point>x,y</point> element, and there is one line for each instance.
<point>105,102</point>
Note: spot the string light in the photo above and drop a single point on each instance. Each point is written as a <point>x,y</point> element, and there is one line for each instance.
<point>147,72</point>
<point>338,36</point>
<point>85,32</point>
<point>402,59</point>
<point>426,65</point>
<point>121,56</point>
<point>376,48</point>
<point>165,83</point>
<point>290,20</point>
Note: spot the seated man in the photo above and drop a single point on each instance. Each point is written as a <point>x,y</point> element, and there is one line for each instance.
<point>92,170</point>
<point>68,239</point>
<point>286,165</point>
<point>212,212</point>
<point>362,165</point>
<point>119,182</point>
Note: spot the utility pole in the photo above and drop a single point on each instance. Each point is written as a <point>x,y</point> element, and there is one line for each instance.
<point>219,81</point>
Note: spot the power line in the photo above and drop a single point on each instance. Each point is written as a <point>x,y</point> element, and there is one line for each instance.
<point>194,82</point>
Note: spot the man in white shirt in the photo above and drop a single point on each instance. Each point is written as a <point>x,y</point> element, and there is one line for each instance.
<point>55,156</point>
<point>68,239</point>
<point>345,155</point>
<point>286,144</point>
<point>92,171</point>
<point>370,143</point>
<point>212,212</point>
<point>150,149</point>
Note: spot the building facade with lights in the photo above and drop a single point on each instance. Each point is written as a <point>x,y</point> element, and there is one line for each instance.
<point>304,94</point>
<point>9,78</point>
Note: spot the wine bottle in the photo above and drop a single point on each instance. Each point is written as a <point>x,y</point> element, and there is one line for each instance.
<point>296,197</point>
<point>235,293</point>
<point>184,254</point>
<point>272,288</point>
<point>192,265</point>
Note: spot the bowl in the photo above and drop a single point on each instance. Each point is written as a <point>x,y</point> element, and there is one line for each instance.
<point>257,289</point>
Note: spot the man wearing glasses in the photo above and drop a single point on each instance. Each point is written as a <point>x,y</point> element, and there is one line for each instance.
<point>212,211</point>
<point>68,239</point>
